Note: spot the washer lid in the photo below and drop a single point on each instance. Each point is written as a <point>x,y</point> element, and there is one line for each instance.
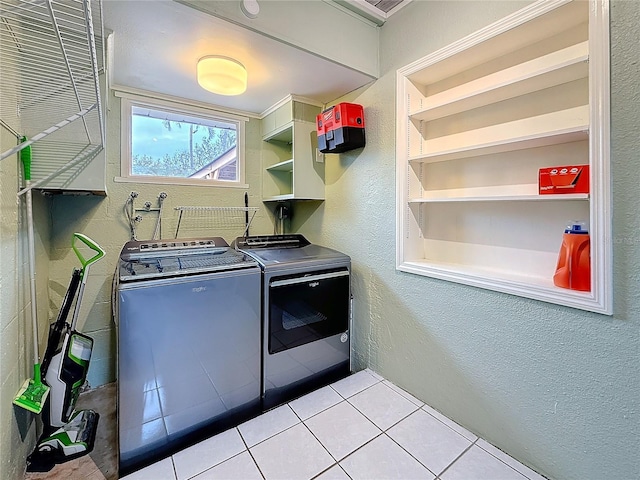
<point>169,258</point>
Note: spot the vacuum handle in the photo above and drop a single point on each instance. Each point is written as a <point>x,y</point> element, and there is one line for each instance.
<point>92,245</point>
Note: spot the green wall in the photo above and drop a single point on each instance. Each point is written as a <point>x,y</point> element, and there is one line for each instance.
<point>555,387</point>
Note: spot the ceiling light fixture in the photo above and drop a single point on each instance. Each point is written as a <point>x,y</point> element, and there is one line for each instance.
<point>222,75</point>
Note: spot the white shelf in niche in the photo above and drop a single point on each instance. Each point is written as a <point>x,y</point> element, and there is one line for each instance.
<point>286,166</point>
<point>494,193</point>
<point>530,286</point>
<point>279,198</point>
<point>564,126</point>
<point>503,198</point>
<point>501,276</point>
<point>550,70</point>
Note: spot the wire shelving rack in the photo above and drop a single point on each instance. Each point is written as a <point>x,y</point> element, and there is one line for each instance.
<point>51,53</point>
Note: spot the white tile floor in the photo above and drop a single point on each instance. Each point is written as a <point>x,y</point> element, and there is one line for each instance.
<point>362,427</point>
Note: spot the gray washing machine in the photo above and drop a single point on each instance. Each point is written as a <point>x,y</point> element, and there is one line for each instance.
<point>189,326</point>
<point>306,305</point>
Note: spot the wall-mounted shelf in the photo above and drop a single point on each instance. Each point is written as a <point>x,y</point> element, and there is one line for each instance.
<point>52,53</point>
<point>285,166</point>
<point>476,121</point>
<point>288,155</point>
<point>445,196</point>
<point>549,129</point>
<point>550,70</point>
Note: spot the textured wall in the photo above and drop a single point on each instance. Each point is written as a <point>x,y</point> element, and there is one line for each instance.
<point>555,387</point>
<point>103,220</point>
<point>18,426</point>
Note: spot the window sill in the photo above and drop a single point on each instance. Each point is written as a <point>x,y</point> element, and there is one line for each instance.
<point>191,182</point>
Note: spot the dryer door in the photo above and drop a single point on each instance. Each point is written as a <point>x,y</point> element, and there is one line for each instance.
<point>306,308</point>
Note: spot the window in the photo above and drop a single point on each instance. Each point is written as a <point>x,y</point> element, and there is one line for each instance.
<point>166,142</point>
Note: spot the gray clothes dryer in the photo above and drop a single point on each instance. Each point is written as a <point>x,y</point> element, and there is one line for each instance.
<point>306,306</point>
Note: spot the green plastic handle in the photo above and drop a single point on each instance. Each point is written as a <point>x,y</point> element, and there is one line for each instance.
<point>25,158</point>
<point>89,243</point>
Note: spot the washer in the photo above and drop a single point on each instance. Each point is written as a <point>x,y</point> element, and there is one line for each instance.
<point>189,326</point>
<point>306,305</point>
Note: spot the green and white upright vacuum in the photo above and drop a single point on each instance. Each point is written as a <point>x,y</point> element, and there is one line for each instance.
<point>68,433</point>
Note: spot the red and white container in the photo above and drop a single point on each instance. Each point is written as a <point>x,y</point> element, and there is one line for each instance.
<point>574,261</point>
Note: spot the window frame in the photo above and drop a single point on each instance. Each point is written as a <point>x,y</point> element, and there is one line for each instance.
<point>128,101</point>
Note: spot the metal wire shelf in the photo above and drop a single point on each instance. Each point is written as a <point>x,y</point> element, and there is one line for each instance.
<point>218,217</point>
<point>52,52</point>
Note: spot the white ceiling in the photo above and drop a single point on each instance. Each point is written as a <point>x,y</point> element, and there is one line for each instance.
<point>158,43</point>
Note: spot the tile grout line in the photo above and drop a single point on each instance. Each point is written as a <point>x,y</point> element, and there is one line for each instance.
<point>400,391</point>
<point>278,433</point>
<point>410,454</point>
<point>227,459</point>
<point>343,399</point>
<point>216,465</point>
<point>368,419</point>
<point>359,391</point>
<point>314,436</point>
<point>392,425</point>
<point>421,407</point>
<point>502,461</point>
<point>249,451</point>
<point>360,447</point>
<point>321,444</point>
<point>173,464</point>
<point>457,458</point>
<point>449,426</point>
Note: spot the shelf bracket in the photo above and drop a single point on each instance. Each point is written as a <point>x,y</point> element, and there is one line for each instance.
<point>10,129</point>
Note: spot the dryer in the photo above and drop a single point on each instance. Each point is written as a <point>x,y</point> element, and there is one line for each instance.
<point>306,314</point>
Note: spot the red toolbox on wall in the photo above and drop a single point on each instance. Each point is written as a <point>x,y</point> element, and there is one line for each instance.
<point>340,128</point>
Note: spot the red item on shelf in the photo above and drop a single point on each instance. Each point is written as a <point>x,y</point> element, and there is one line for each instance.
<point>574,261</point>
<point>566,179</point>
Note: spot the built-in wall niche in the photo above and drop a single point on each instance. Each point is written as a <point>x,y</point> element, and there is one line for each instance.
<point>477,120</point>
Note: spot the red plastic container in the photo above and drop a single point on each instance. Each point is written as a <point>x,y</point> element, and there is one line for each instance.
<point>574,261</point>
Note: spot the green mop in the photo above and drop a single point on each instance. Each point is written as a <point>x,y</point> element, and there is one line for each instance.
<point>33,393</point>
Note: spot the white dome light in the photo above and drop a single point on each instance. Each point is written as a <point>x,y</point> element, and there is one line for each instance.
<point>222,75</point>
